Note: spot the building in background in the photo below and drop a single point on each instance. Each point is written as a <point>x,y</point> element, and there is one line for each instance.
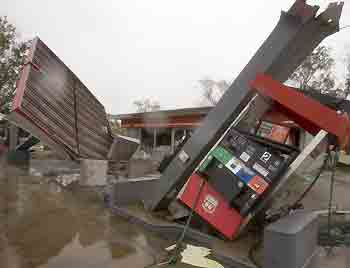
<point>161,130</point>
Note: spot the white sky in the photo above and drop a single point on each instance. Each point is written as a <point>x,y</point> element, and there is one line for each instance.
<point>125,50</point>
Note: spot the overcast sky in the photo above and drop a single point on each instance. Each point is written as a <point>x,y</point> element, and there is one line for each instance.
<point>124,50</point>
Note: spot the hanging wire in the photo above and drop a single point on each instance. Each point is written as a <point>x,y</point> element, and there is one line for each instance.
<point>178,247</point>
<point>179,244</point>
<point>331,194</point>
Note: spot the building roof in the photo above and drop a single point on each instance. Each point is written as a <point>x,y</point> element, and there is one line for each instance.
<point>164,113</point>
<point>330,101</point>
<point>192,117</point>
<point>179,118</point>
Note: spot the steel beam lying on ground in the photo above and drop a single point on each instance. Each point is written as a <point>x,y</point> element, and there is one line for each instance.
<point>56,107</point>
<point>298,32</point>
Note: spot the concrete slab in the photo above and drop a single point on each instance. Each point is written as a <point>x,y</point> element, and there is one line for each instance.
<point>53,167</point>
<point>291,242</point>
<point>132,191</point>
<point>93,172</point>
<point>140,167</point>
<point>123,148</point>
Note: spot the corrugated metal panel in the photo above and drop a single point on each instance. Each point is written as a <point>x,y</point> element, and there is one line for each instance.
<point>53,98</point>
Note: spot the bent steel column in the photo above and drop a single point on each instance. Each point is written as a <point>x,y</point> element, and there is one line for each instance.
<point>297,34</point>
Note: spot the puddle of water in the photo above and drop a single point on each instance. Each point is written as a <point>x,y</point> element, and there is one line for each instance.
<point>45,226</point>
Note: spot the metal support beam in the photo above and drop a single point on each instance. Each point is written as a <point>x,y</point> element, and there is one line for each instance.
<point>173,130</point>
<point>140,135</point>
<point>296,35</point>
<point>13,137</point>
<point>154,138</point>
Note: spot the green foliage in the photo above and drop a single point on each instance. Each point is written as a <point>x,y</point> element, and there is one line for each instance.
<point>146,105</point>
<point>12,58</point>
<point>316,72</point>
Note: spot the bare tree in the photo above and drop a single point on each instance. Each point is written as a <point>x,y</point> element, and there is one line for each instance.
<point>146,105</point>
<point>316,72</point>
<point>213,90</point>
<point>12,58</point>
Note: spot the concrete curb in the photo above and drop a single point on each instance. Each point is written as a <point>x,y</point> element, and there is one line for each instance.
<point>173,230</point>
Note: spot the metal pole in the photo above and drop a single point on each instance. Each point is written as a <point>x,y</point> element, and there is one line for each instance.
<point>13,137</point>
<point>154,138</point>
<point>173,130</point>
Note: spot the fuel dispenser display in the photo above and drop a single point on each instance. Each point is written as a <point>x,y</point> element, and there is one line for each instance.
<point>236,172</point>
<point>243,171</point>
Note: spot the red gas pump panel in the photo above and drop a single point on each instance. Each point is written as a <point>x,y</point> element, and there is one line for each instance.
<point>273,131</point>
<point>258,184</point>
<point>211,206</point>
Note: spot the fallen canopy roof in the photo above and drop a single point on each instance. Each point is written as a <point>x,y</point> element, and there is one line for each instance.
<point>55,106</point>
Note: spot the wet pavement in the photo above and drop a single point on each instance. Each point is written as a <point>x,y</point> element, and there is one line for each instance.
<point>45,226</point>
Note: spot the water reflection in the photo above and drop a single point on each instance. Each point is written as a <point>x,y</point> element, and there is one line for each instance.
<point>43,226</point>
